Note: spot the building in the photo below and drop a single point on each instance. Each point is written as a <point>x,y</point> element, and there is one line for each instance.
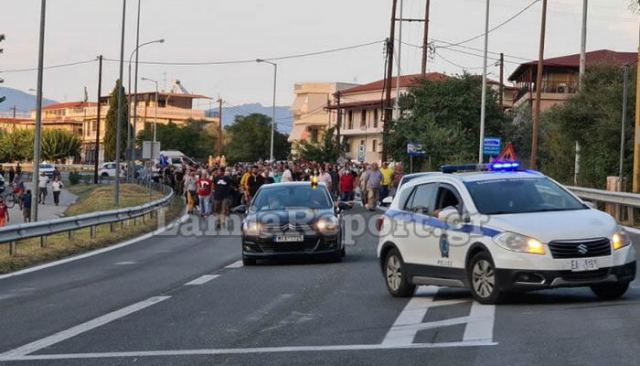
<point>309,109</point>
<point>362,114</point>
<point>560,76</point>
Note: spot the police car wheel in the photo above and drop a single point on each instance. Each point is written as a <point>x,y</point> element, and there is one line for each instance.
<point>395,277</point>
<point>610,291</point>
<point>482,278</point>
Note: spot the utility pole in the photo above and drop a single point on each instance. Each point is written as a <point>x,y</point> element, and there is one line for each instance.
<point>387,108</point>
<point>220,138</point>
<point>425,42</point>
<point>396,104</point>
<point>622,125</point>
<point>483,107</point>
<point>97,149</point>
<point>636,144</point>
<point>116,197</point>
<point>536,109</point>
<point>338,121</point>
<point>130,172</point>
<point>38,122</point>
<point>501,80</point>
<point>583,42</point>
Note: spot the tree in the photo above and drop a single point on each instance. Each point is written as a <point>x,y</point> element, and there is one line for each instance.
<point>248,139</point>
<point>444,116</point>
<point>591,117</point>
<point>193,138</point>
<point>324,151</point>
<point>16,145</point>
<point>111,123</point>
<point>59,144</point>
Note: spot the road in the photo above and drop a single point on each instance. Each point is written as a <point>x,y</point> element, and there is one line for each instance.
<point>187,300</point>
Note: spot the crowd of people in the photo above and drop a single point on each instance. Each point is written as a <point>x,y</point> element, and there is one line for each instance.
<point>214,190</point>
<point>12,182</point>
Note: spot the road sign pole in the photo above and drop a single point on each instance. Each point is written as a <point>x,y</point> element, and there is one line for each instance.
<point>410,163</point>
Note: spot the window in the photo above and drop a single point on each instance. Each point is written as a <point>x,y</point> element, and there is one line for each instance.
<point>350,119</point>
<point>375,118</point>
<point>314,135</point>
<point>422,199</point>
<point>374,145</point>
<point>363,118</point>
<point>447,197</point>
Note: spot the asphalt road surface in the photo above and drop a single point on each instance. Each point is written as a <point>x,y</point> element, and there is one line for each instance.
<point>187,300</point>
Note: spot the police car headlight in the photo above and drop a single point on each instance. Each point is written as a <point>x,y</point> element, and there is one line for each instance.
<point>620,239</point>
<point>327,225</point>
<point>251,228</point>
<point>519,243</point>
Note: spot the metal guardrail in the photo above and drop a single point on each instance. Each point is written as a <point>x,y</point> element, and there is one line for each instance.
<point>599,195</point>
<point>42,229</point>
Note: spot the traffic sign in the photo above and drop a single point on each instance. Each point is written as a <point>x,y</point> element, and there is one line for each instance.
<point>415,149</point>
<point>491,146</point>
<point>361,151</point>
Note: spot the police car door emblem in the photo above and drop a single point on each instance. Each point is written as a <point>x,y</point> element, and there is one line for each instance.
<point>444,246</point>
<point>583,249</point>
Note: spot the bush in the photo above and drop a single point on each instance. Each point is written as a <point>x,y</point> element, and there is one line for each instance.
<point>74,178</point>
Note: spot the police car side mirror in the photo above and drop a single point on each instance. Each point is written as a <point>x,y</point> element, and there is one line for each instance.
<point>450,215</point>
<point>386,202</point>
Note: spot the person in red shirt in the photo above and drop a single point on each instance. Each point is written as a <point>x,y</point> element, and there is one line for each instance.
<point>346,186</point>
<point>203,189</point>
<point>4,213</point>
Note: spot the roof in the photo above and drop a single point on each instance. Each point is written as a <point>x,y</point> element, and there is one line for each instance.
<point>70,105</point>
<point>14,120</point>
<point>152,93</point>
<point>405,82</point>
<point>607,57</point>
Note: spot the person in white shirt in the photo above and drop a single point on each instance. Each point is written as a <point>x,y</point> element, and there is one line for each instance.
<point>56,188</point>
<point>42,187</point>
<point>286,175</point>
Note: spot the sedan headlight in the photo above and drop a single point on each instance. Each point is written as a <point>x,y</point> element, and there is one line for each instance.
<point>328,225</point>
<point>620,239</point>
<point>251,228</point>
<point>519,243</point>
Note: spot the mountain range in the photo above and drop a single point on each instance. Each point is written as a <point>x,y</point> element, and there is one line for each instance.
<point>283,114</point>
<point>23,102</point>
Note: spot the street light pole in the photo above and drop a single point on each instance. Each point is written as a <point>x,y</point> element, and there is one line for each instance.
<point>484,85</point>
<point>273,111</point>
<point>116,197</point>
<point>38,126</point>
<point>131,131</point>
<point>155,136</point>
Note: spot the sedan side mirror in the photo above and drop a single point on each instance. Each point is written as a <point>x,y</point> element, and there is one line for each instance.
<point>343,206</point>
<point>386,202</point>
<point>242,209</point>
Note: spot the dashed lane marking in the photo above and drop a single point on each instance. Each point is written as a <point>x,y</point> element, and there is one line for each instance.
<point>236,264</point>
<point>201,280</point>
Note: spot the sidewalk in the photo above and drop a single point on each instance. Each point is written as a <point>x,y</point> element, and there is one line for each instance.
<point>48,211</point>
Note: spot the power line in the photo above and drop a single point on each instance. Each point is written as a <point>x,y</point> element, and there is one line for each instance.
<point>49,67</point>
<point>457,65</point>
<point>496,27</point>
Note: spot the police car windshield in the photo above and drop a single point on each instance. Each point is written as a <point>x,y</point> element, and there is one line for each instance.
<point>276,197</point>
<point>520,195</point>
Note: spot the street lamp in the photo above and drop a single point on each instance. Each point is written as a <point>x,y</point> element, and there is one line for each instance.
<point>130,138</point>
<point>273,111</point>
<point>155,119</point>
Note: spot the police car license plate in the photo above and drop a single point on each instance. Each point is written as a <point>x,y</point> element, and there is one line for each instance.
<point>289,238</point>
<point>586,264</point>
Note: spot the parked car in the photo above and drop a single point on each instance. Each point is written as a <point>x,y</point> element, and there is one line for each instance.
<point>47,169</point>
<point>108,170</point>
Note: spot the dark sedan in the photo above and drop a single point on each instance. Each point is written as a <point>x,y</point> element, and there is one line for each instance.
<point>297,219</point>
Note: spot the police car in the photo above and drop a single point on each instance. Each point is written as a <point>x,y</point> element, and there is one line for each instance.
<point>496,229</point>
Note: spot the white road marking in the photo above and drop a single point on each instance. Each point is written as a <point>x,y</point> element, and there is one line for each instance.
<point>201,280</point>
<point>94,252</point>
<point>231,351</point>
<point>125,263</point>
<point>632,230</point>
<point>81,328</point>
<point>236,264</point>
<point>479,323</point>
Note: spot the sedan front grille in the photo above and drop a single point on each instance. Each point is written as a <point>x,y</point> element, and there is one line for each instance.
<point>580,248</point>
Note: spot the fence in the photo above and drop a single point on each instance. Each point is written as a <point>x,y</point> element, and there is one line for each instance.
<point>621,205</point>
<point>43,229</point>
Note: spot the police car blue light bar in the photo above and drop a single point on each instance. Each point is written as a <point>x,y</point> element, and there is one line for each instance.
<point>504,165</point>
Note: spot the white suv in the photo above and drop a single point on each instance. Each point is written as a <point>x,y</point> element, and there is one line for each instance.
<point>497,231</point>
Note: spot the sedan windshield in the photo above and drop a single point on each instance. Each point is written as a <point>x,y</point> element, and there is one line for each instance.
<point>276,197</point>
<point>509,196</point>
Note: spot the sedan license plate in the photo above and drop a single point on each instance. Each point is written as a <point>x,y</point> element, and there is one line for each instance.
<point>289,238</point>
<point>586,264</point>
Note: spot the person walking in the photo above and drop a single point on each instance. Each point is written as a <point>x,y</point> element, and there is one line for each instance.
<point>254,182</point>
<point>387,176</point>
<point>373,183</point>
<point>56,188</point>
<point>346,186</point>
<point>42,188</point>
<point>287,176</point>
<point>4,213</point>
<point>363,184</point>
<point>203,185</point>
<point>222,196</point>
<point>190,188</point>
<point>12,175</point>
<point>25,202</point>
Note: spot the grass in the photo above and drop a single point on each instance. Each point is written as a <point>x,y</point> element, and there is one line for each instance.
<point>91,199</point>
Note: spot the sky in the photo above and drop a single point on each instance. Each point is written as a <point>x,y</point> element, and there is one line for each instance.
<point>216,30</point>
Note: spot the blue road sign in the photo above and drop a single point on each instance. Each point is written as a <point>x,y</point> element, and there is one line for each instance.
<point>492,146</point>
<point>415,149</point>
